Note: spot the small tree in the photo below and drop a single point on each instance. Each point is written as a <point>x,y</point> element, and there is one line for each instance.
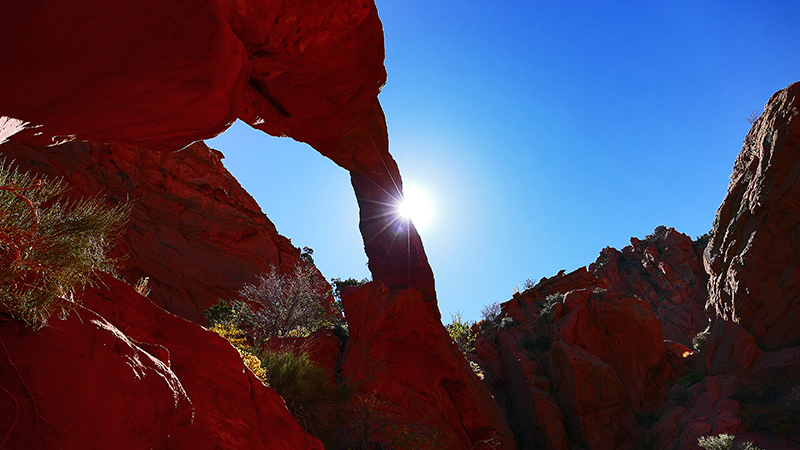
<point>461,332</point>
<point>284,303</point>
<point>49,247</point>
<point>491,311</point>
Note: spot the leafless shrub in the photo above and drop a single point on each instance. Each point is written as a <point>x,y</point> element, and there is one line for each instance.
<point>284,304</point>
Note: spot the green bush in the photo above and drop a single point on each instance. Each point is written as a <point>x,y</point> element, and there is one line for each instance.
<point>461,332</point>
<point>49,247</point>
<point>311,395</point>
<point>550,300</point>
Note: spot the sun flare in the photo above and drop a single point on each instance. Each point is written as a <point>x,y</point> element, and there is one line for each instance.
<point>417,206</point>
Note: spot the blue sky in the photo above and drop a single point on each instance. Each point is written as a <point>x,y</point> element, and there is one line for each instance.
<point>541,131</point>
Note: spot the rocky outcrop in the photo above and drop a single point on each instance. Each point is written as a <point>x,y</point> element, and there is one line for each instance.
<point>119,372</point>
<point>408,361</point>
<point>193,230</point>
<point>581,369</point>
<point>586,358</point>
<point>752,254</point>
<point>665,270</point>
<point>751,358</point>
<point>232,408</point>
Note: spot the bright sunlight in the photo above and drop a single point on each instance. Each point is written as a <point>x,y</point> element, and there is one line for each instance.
<point>417,206</point>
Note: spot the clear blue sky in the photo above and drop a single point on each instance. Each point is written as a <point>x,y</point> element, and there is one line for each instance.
<point>542,131</point>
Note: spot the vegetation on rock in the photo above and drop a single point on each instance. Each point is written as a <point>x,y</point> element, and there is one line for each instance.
<point>724,442</point>
<point>461,332</point>
<point>285,304</point>
<point>49,247</point>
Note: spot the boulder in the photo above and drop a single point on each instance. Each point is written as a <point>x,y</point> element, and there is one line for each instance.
<point>82,383</point>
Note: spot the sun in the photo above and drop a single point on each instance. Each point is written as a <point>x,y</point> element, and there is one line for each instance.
<point>416,205</point>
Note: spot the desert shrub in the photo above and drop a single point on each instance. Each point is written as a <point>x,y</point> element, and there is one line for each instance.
<point>724,442</point>
<point>236,313</point>
<point>237,338</point>
<point>50,247</point>
<point>657,235</point>
<point>551,300</point>
<point>307,255</point>
<point>375,424</point>
<point>461,332</point>
<point>286,304</point>
<point>142,287</point>
<point>690,379</point>
<point>700,340</point>
<point>507,322</point>
<point>491,311</point>
<point>313,398</point>
<point>753,116</point>
<point>219,312</point>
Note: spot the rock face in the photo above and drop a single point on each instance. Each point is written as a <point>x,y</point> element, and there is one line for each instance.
<point>85,384</point>
<point>665,270</point>
<point>751,256</point>
<point>579,371</point>
<point>753,349</point>
<point>584,358</point>
<point>409,362</point>
<point>194,231</point>
<point>122,373</point>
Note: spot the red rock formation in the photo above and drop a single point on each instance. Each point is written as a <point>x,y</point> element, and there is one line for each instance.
<point>667,272</point>
<point>408,361</point>
<point>583,371</point>
<point>194,231</point>
<point>596,365</point>
<point>82,383</point>
<point>165,75</point>
<point>173,74</point>
<point>752,252</point>
<point>232,408</point>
